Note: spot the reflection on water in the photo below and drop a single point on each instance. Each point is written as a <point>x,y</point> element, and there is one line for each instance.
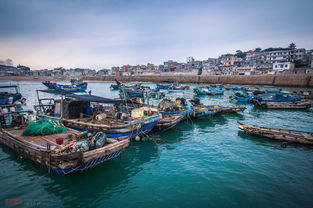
<point>197,163</point>
<point>88,188</point>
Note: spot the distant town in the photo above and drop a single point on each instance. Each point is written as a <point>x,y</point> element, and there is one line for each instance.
<point>289,60</point>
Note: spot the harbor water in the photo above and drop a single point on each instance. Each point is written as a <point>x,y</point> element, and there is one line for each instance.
<point>203,163</point>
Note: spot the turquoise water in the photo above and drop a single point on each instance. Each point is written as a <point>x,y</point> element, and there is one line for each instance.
<point>205,163</point>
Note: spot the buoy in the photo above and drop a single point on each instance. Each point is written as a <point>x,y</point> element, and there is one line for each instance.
<point>101,116</point>
<point>10,100</point>
<point>137,138</point>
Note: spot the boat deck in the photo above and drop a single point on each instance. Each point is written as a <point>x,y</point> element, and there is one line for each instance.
<point>39,141</point>
<point>106,121</point>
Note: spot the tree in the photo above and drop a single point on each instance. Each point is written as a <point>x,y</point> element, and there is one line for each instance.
<point>292,46</point>
<point>257,50</point>
<point>240,54</point>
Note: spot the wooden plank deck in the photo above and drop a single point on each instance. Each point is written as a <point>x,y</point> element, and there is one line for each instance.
<point>40,141</point>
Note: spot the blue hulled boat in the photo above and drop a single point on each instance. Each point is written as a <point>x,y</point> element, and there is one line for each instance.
<point>202,112</point>
<point>116,121</point>
<point>238,88</point>
<point>208,91</point>
<point>279,97</point>
<point>173,86</point>
<point>7,96</point>
<point>242,97</point>
<point>75,86</point>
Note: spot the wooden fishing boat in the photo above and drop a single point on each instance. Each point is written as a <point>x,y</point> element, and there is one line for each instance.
<point>178,107</point>
<point>61,157</point>
<point>112,128</point>
<point>306,95</point>
<point>278,134</point>
<point>218,108</point>
<point>116,121</point>
<point>168,121</point>
<point>231,109</point>
<point>201,112</point>
<point>44,150</point>
<point>281,105</point>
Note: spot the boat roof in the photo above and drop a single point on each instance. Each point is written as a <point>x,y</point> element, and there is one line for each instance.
<point>9,86</point>
<point>84,97</point>
<point>94,98</point>
<point>56,92</point>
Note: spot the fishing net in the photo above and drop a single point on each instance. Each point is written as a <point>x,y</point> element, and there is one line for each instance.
<point>44,126</point>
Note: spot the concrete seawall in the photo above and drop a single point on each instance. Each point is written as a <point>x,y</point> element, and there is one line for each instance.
<point>290,80</point>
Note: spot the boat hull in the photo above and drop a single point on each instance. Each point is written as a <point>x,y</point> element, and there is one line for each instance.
<point>286,135</point>
<point>131,130</point>
<point>67,163</point>
<point>168,122</point>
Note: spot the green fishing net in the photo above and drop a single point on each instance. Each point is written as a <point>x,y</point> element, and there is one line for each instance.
<point>44,126</point>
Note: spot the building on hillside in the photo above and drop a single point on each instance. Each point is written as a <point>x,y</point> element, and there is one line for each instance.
<point>280,67</point>
<point>228,60</point>
<point>245,70</point>
<point>104,72</point>
<point>190,59</point>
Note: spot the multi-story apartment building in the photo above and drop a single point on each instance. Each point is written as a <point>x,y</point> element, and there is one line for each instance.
<point>190,59</point>
<point>228,60</point>
<point>286,55</point>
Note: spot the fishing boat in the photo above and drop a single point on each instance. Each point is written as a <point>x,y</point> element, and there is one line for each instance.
<point>75,86</point>
<point>168,121</point>
<point>238,88</point>
<point>208,91</point>
<point>242,97</point>
<point>173,86</point>
<point>177,107</point>
<point>129,92</point>
<point>84,113</point>
<point>163,86</point>
<point>50,85</point>
<point>115,86</point>
<point>65,153</point>
<point>217,108</point>
<point>287,135</point>
<point>273,91</point>
<point>278,97</point>
<point>281,105</point>
<point>9,94</point>
<point>203,112</point>
<point>179,87</point>
<point>306,95</point>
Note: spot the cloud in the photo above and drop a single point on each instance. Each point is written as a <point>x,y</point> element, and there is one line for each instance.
<point>97,34</point>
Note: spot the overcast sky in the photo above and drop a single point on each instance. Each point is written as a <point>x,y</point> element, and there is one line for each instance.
<point>104,33</point>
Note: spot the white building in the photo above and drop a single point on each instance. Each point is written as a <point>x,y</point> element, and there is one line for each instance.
<point>190,59</point>
<point>283,66</point>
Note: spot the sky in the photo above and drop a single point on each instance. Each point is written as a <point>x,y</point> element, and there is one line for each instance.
<point>100,34</point>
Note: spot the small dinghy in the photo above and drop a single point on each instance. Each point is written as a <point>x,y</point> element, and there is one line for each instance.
<point>287,135</point>
<point>281,105</point>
